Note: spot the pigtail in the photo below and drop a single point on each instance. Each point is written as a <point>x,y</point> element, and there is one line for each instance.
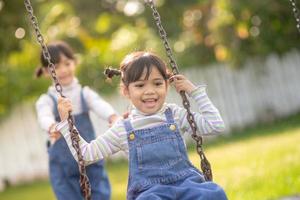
<point>38,72</point>
<point>110,72</point>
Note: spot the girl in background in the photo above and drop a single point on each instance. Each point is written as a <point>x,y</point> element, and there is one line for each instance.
<point>63,169</point>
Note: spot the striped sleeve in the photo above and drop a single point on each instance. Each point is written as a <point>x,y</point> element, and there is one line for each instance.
<point>103,146</point>
<point>208,118</point>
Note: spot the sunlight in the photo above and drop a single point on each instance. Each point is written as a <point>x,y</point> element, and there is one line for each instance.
<point>133,8</point>
<point>1,5</point>
<point>20,33</point>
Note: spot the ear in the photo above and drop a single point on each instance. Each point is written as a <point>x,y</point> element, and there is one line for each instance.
<point>125,91</point>
<point>45,72</point>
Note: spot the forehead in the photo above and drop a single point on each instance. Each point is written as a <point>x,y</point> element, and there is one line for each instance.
<point>63,58</point>
<point>153,73</point>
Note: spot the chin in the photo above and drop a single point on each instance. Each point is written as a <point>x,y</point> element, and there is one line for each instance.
<point>65,83</point>
<point>151,112</point>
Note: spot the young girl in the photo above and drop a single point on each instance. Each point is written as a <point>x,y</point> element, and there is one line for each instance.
<point>159,167</point>
<point>63,169</point>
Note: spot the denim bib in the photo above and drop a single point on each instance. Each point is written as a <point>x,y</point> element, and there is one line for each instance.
<point>63,168</point>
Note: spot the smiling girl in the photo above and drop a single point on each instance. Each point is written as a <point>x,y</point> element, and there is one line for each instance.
<point>151,136</point>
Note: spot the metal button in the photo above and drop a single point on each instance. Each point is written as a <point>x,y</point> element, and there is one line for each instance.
<point>131,136</point>
<point>172,127</point>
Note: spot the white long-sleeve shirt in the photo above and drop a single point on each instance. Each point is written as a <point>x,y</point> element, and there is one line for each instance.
<point>45,105</point>
<point>207,118</point>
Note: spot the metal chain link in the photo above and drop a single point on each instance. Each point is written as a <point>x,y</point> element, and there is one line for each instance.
<point>296,14</point>
<point>84,181</point>
<point>205,165</point>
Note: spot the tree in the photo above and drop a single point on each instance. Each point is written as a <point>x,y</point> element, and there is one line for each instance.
<point>103,32</point>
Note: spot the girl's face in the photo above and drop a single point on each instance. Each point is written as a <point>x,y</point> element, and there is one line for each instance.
<point>148,95</point>
<point>65,70</point>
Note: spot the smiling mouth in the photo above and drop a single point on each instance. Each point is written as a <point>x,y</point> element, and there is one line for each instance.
<point>64,77</point>
<point>150,102</point>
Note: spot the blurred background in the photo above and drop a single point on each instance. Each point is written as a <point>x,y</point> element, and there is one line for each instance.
<point>247,52</point>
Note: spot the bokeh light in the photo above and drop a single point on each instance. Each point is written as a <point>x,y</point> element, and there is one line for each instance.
<point>133,8</point>
<point>1,5</point>
<point>20,33</point>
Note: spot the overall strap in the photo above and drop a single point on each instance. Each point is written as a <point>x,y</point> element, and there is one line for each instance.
<point>84,105</point>
<point>169,116</point>
<point>55,110</point>
<point>128,126</point>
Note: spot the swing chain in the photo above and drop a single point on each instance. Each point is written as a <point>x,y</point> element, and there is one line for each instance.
<point>205,165</point>
<point>84,181</point>
<point>296,14</point>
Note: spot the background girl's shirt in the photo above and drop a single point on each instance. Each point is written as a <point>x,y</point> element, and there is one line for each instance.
<point>96,104</point>
<point>207,118</point>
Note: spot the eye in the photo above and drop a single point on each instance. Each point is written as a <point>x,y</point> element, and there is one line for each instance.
<point>159,83</point>
<point>57,66</point>
<point>68,63</point>
<point>139,85</point>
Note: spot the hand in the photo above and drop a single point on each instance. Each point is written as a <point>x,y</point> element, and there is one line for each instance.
<point>53,134</point>
<point>64,107</point>
<point>112,119</point>
<point>181,83</point>
<point>125,115</point>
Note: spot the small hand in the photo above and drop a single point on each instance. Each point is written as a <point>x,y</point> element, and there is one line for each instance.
<point>125,115</point>
<point>53,134</point>
<point>64,107</point>
<point>112,119</point>
<point>181,83</point>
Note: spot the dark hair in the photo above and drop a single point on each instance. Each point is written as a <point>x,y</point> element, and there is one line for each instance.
<point>56,49</point>
<point>134,64</point>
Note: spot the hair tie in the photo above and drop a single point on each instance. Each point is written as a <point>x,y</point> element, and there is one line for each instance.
<point>38,72</point>
<point>110,72</point>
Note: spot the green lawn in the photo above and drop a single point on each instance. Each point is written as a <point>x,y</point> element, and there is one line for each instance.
<point>261,163</point>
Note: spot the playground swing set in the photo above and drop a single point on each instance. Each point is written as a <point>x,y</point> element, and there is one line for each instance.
<point>84,181</point>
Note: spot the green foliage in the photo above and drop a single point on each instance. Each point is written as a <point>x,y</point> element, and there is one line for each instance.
<point>103,32</point>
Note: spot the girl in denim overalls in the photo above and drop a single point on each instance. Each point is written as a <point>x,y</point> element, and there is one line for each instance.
<point>159,167</point>
<point>63,169</point>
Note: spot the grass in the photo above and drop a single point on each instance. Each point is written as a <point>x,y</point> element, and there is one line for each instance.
<point>260,163</point>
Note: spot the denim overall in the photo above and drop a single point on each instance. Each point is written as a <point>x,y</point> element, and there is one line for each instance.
<point>64,172</point>
<point>159,167</point>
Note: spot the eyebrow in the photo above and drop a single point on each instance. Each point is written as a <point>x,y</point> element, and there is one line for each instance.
<point>156,79</point>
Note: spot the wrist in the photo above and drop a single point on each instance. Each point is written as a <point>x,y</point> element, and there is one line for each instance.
<point>199,89</point>
<point>61,125</point>
<point>191,88</point>
<point>52,128</point>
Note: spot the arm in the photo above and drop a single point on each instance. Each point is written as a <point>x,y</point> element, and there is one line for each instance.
<point>44,109</point>
<point>208,118</point>
<point>46,119</point>
<point>103,146</point>
<point>100,107</point>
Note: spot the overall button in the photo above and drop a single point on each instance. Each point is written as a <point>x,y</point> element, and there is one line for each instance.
<point>131,136</point>
<point>172,127</point>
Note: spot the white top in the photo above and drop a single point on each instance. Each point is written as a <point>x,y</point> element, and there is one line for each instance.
<point>207,118</point>
<point>45,105</point>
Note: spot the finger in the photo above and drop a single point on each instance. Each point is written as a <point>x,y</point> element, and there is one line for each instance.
<point>60,99</point>
<point>171,79</point>
<point>179,77</point>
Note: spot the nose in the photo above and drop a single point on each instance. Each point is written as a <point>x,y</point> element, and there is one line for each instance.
<point>62,70</point>
<point>149,90</point>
